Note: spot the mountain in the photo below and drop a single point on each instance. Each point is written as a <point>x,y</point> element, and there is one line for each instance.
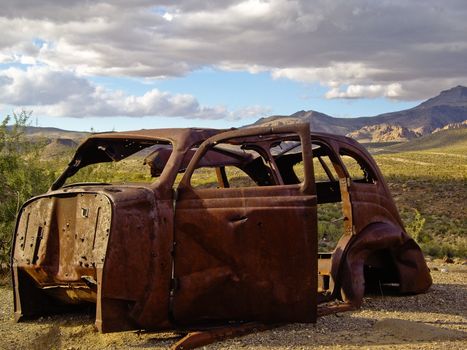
<point>449,107</point>
<point>318,122</point>
<point>58,147</point>
<point>382,133</point>
<point>451,126</point>
<point>38,132</point>
<point>54,142</point>
<point>49,133</point>
<point>453,141</point>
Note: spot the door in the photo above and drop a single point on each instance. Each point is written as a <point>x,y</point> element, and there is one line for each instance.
<point>246,250</point>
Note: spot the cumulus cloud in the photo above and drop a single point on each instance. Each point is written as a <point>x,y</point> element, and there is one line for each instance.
<point>370,91</point>
<point>59,93</point>
<point>40,86</point>
<point>357,48</point>
<point>333,74</point>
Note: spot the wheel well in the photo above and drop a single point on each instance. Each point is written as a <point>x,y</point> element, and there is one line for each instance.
<point>380,273</point>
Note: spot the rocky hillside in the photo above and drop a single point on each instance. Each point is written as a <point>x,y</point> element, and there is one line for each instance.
<point>449,107</point>
<point>56,142</point>
<point>383,133</point>
<point>58,147</point>
<point>318,122</point>
<point>453,140</point>
<point>452,126</point>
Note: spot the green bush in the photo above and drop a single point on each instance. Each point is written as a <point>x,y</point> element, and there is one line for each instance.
<point>415,228</point>
<point>21,176</point>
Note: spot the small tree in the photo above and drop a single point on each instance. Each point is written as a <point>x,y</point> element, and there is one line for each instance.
<point>21,175</point>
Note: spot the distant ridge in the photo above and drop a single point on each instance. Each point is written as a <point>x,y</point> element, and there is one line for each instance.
<point>453,139</point>
<point>58,148</point>
<point>57,142</point>
<point>449,107</point>
<point>38,132</point>
<point>55,133</point>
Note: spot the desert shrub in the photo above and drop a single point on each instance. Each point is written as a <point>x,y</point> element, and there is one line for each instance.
<point>440,250</point>
<point>124,171</point>
<point>415,228</point>
<point>330,225</point>
<point>21,176</point>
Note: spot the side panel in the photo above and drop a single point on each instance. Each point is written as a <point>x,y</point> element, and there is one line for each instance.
<point>129,260</point>
<point>59,248</point>
<point>149,252</point>
<point>371,204</point>
<point>111,249</point>
<point>245,254</point>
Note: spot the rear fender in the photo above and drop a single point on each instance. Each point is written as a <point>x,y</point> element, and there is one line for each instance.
<point>412,271</point>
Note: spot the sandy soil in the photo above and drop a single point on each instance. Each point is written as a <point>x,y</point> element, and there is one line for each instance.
<point>435,320</point>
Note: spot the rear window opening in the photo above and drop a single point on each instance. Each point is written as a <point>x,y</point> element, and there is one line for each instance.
<point>116,161</point>
<point>359,171</point>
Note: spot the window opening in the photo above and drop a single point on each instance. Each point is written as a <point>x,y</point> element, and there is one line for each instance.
<point>228,166</point>
<point>118,161</point>
<point>330,208</point>
<point>263,160</point>
<point>288,157</point>
<point>358,170</point>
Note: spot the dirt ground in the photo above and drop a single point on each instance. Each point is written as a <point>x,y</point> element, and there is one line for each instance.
<point>435,320</point>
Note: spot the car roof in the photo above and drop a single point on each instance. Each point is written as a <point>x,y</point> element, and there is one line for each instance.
<point>174,135</point>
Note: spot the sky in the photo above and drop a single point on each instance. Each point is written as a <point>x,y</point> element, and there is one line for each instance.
<point>125,65</point>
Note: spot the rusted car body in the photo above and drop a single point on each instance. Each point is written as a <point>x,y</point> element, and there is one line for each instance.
<point>172,254</point>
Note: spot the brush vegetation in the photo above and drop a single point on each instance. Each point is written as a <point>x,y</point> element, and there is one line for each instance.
<point>21,176</point>
<point>430,187</point>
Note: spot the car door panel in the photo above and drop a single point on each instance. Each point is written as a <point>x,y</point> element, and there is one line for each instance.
<point>245,254</point>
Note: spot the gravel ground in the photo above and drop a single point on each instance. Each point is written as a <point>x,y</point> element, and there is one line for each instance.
<point>435,320</point>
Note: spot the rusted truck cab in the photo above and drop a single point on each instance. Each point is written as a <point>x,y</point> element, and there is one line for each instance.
<point>226,232</point>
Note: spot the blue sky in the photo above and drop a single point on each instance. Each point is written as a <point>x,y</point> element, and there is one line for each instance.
<point>149,64</point>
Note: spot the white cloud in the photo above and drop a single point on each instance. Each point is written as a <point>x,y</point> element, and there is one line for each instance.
<point>370,91</point>
<point>65,94</point>
<point>357,48</point>
<point>168,16</point>
<point>40,86</point>
<point>332,74</point>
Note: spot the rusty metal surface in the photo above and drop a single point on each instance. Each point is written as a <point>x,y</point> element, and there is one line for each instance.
<point>60,245</point>
<point>233,262</point>
<point>153,257</point>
